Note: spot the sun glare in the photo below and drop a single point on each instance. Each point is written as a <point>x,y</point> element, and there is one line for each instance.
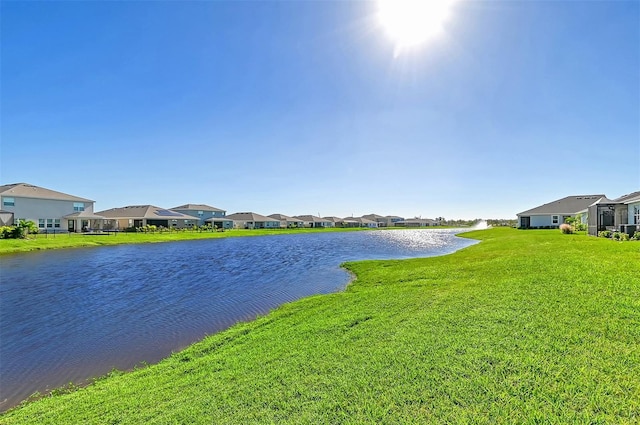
<point>413,22</point>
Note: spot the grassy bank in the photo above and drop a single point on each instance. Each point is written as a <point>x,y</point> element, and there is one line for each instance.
<point>526,327</point>
<point>79,240</point>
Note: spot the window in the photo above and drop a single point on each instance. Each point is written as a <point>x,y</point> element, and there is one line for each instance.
<point>49,223</point>
<point>200,213</point>
<point>41,223</point>
<point>56,223</point>
<point>636,215</point>
<point>8,202</point>
<point>554,219</point>
<point>78,206</point>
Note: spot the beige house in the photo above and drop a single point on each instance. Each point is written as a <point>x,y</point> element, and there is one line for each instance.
<point>286,221</point>
<point>251,220</point>
<point>365,222</point>
<point>143,215</point>
<point>381,220</point>
<point>51,211</point>
<point>314,221</point>
<point>342,222</point>
<point>416,222</point>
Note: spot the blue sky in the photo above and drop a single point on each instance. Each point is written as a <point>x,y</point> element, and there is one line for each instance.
<point>304,107</point>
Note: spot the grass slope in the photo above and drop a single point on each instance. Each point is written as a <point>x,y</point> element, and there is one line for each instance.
<point>526,327</point>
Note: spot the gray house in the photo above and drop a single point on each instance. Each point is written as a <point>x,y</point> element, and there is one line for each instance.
<point>204,213</point>
<point>251,220</point>
<point>143,215</point>
<point>620,214</point>
<point>553,214</point>
<point>50,210</point>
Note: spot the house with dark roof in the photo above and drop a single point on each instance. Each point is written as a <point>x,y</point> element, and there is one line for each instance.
<point>251,220</point>
<point>553,214</point>
<point>204,213</point>
<point>597,211</point>
<point>620,214</point>
<point>145,215</point>
<point>49,209</point>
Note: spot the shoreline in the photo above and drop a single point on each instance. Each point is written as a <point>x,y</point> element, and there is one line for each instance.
<point>79,240</point>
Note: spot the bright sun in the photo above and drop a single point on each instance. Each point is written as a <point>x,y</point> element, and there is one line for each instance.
<point>412,22</point>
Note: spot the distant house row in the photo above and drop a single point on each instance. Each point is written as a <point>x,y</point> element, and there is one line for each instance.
<point>596,211</point>
<point>58,211</point>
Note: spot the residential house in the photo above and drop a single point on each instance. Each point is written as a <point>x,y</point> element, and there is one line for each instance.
<point>50,210</point>
<point>286,221</point>
<point>251,220</point>
<point>620,214</point>
<point>145,215</point>
<point>220,222</point>
<point>553,214</point>
<point>206,215</point>
<point>416,222</point>
<point>342,222</point>
<point>393,219</point>
<point>364,222</point>
<point>381,220</point>
<point>314,221</point>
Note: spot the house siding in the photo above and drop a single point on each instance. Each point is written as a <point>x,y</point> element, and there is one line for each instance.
<point>205,216</point>
<point>545,220</point>
<point>633,213</point>
<point>35,209</point>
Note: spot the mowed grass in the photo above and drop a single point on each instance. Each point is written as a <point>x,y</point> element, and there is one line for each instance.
<point>525,327</point>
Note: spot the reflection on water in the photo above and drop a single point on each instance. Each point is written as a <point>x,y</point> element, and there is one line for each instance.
<point>69,315</point>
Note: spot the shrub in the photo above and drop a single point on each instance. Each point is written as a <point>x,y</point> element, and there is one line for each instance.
<point>566,228</point>
<point>636,235</point>
<point>19,231</point>
<point>5,232</point>
<point>580,227</point>
<point>620,236</point>
<point>604,234</point>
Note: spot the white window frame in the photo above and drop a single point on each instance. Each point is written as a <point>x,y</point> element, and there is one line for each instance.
<point>78,206</point>
<point>8,202</point>
<point>555,219</point>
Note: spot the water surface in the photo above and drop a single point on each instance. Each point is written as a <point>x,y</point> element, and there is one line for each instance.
<point>69,315</point>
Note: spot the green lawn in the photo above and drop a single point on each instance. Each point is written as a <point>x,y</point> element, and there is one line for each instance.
<point>525,327</point>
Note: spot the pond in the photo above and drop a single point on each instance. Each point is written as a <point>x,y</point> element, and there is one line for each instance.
<point>69,315</point>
